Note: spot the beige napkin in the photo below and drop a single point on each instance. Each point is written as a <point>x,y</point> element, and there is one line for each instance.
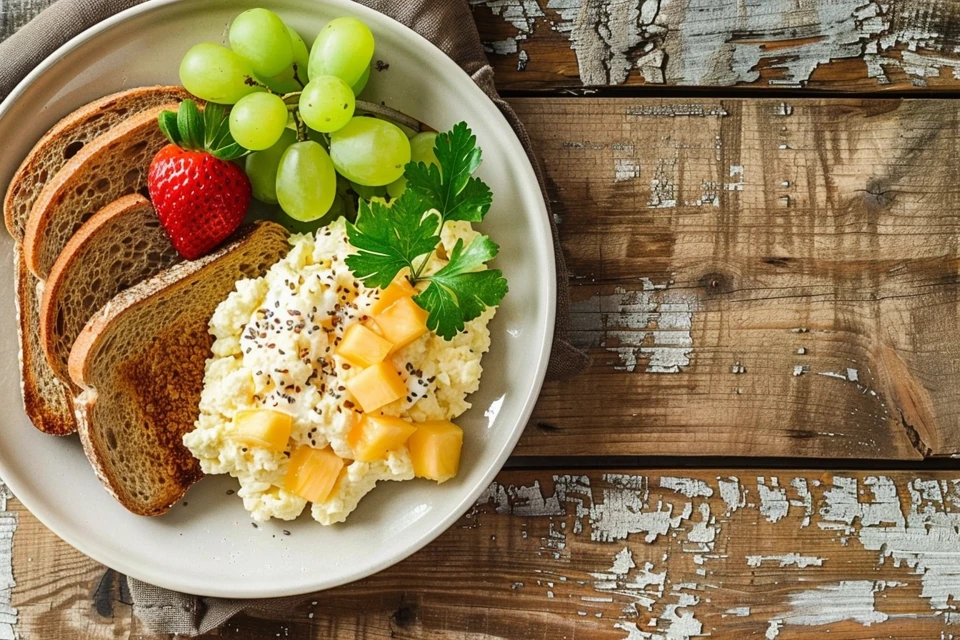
<point>449,25</point>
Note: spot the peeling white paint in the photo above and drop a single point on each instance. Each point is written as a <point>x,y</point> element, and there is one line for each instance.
<point>652,324</point>
<point>731,494</point>
<point>919,532</point>
<point>786,560</point>
<point>704,42</point>
<point>625,169</point>
<point>773,500</point>
<point>689,487</point>
<point>845,600</point>
<point>8,525</point>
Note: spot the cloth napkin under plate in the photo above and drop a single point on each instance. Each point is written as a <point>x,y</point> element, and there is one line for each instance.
<point>449,25</point>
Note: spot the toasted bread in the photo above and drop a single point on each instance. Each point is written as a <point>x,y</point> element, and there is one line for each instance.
<point>46,400</point>
<point>67,138</point>
<point>119,246</point>
<point>140,362</point>
<point>113,165</point>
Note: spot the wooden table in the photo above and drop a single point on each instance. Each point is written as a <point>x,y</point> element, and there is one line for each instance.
<point>760,202</point>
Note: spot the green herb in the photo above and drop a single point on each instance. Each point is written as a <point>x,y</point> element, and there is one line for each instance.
<point>391,238</point>
<point>449,188</point>
<point>405,233</point>
<point>457,293</point>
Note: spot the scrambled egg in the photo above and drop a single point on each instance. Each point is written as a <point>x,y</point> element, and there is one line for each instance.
<point>274,349</point>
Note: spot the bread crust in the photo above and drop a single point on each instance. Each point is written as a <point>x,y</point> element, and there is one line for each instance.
<point>46,400</point>
<point>94,241</point>
<point>67,137</point>
<point>83,185</point>
<point>158,379</point>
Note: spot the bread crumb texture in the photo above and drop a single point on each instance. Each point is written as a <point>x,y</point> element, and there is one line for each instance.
<point>274,348</point>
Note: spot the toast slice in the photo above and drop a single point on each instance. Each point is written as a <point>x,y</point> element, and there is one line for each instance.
<point>121,245</point>
<point>67,138</point>
<point>47,401</point>
<point>140,362</point>
<point>113,165</point>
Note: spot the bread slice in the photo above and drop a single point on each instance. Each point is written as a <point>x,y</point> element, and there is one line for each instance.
<point>112,166</point>
<point>119,246</point>
<point>46,400</point>
<point>67,138</point>
<point>140,362</point>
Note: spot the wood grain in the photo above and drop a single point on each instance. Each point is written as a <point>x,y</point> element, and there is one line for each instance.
<point>755,277</point>
<point>846,45</point>
<point>607,555</point>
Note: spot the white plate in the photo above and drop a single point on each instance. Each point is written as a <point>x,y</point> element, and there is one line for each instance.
<point>209,547</point>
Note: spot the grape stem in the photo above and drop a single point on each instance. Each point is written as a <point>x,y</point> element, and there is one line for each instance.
<point>391,114</point>
<point>301,127</point>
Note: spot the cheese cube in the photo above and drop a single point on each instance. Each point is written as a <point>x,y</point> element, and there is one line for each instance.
<point>262,428</point>
<point>363,347</point>
<point>399,288</point>
<point>373,436</point>
<point>376,386</point>
<point>435,450</point>
<point>402,322</point>
<point>313,473</point>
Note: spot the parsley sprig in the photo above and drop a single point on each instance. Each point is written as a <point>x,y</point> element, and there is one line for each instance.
<point>405,233</point>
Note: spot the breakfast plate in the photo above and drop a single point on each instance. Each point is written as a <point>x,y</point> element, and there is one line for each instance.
<point>205,544</point>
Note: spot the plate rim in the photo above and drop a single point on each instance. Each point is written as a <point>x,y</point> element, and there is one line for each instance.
<point>190,584</point>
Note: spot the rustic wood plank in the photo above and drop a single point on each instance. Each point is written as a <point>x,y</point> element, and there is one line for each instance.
<point>860,45</point>
<point>755,277</point>
<point>677,555</point>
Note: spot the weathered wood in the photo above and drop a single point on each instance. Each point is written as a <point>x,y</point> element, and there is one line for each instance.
<point>755,277</point>
<point>860,45</point>
<point>608,555</point>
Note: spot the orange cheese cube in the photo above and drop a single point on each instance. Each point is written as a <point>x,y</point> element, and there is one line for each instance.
<point>313,473</point>
<point>376,386</point>
<point>435,450</point>
<point>262,428</point>
<point>399,288</point>
<point>402,322</point>
<point>373,436</point>
<point>363,347</point>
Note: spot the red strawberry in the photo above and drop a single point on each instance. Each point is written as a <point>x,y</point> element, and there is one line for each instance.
<point>200,196</point>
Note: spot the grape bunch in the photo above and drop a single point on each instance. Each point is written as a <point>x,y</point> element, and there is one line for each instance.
<point>294,110</point>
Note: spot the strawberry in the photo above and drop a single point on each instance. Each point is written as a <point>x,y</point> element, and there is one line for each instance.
<point>200,196</point>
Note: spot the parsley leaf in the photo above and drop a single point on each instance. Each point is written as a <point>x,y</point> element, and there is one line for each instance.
<point>391,238</point>
<point>458,293</point>
<point>449,188</point>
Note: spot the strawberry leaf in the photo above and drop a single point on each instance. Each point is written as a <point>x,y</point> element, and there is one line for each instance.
<point>168,125</point>
<point>190,124</point>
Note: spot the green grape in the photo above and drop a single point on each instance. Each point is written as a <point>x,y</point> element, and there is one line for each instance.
<point>286,82</point>
<point>261,38</point>
<point>369,151</point>
<point>344,49</point>
<point>361,84</point>
<point>421,150</point>
<point>257,120</point>
<point>366,192</point>
<point>216,74</point>
<point>327,104</point>
<point>306,181</point>
<point>261,167</point>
